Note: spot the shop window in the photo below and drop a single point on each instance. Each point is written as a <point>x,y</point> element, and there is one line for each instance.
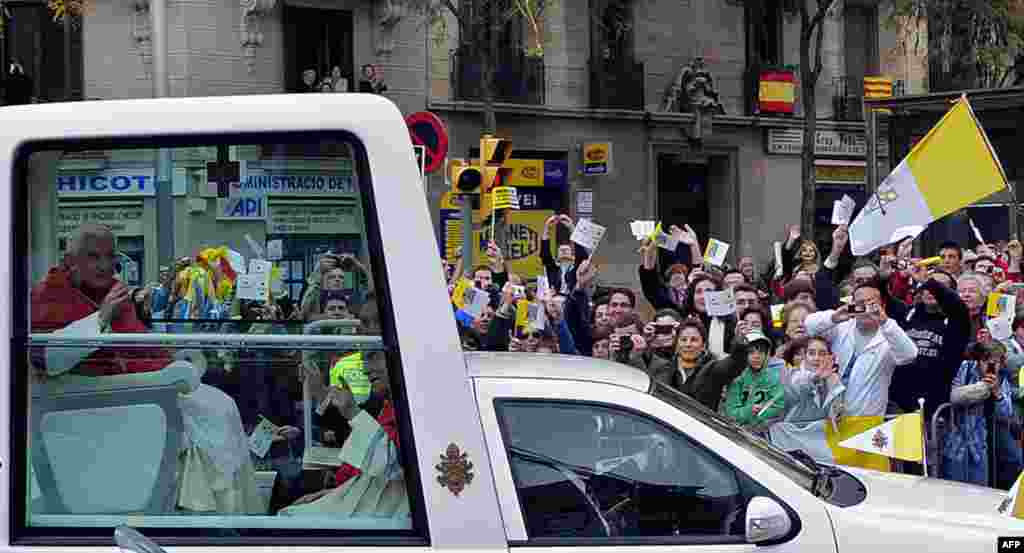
<point>207,433</point>
<point>318,45</point>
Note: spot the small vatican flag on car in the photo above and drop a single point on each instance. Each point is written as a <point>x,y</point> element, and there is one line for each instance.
<point>900,438</point>
<point>1013,504</point>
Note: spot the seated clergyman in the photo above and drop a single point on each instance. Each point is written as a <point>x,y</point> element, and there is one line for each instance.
<point>370,481</point>
<point>82,298</point>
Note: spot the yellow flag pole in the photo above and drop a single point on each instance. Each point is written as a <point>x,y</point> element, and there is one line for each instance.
<point>924,437</point>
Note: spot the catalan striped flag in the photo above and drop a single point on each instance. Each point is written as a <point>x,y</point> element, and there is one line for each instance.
<point>505,197</point>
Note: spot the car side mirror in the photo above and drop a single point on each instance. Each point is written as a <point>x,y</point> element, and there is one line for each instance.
<point>131,541</point>
<point>766,520</point>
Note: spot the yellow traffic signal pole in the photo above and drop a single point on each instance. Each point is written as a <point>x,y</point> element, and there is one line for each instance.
<point>467,233</point>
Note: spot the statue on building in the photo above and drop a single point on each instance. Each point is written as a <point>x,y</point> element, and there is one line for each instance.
<point>693,91</point>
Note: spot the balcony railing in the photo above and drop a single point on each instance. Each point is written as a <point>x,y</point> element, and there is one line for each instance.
<point>518,78</point>
<point>617,85</point>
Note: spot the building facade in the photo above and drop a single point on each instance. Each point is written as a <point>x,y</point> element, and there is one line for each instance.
<point>590,72</point>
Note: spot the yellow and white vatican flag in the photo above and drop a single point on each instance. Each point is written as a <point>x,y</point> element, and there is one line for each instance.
<point>900,438</point>
<point>1013,505</point>
<point>821,440</point>
<point>953,166</point>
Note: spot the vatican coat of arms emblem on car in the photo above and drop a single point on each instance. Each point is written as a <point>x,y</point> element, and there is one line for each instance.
<point>879,440</point>
<point>456,470</point>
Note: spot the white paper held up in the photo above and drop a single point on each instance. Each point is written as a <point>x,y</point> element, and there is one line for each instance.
<point>588,234</point>
<point>999,328</point>
<point>260,267</point>
<point>537,316</point>
<point>842,210</point>
<point>720,304</point>
<point>275,250</point>
<point>252,287</point>
<point>542,286</point>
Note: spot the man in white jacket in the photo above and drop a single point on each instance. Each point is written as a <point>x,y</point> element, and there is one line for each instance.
<point>868,346</point>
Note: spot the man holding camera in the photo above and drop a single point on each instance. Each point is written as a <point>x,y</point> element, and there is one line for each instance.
<point>868,346</point>
<point>658,358</point>
<point>330,276</point>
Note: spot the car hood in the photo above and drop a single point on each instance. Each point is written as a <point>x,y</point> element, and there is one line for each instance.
<point>895,496</point>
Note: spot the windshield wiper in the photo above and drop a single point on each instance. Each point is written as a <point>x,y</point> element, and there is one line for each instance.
<point>821,482</point>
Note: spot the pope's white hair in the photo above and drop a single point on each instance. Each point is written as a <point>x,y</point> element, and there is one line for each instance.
<point>85,232</point>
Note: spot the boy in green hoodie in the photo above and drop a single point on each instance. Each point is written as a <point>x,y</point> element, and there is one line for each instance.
<point>756,396</point>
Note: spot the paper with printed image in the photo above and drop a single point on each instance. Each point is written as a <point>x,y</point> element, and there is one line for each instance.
<point>588,234</point>
<point>720,304</point>
<point>1001,306</point>
<point>715,252</point>
<point>261,438</point>
<point>777,314</point>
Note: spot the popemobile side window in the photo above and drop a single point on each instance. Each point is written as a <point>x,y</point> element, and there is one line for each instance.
<point>217,366</point>
<point>584,470</point>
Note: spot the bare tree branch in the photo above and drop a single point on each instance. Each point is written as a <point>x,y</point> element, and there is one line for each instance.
<point>455,11</point>
<point>817,52</point>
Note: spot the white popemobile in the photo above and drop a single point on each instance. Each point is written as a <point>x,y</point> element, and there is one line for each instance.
<point>502,451</point>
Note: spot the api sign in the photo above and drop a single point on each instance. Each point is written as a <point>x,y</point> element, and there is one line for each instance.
<point>236,208</point>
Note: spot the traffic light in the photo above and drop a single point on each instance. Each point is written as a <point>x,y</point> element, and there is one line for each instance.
<point>494,152</point>
<point>488,172</point>
<point>467,179</point>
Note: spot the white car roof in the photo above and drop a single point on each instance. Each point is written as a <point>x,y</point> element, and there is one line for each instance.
<point>555,367</point>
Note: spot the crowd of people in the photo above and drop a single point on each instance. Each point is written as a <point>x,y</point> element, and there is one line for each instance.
<point>851,337</point>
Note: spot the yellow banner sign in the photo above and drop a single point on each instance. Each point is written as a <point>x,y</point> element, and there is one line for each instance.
<point>525,172</point>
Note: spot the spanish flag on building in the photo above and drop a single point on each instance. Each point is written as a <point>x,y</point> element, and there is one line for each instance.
<point>953,166</point>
